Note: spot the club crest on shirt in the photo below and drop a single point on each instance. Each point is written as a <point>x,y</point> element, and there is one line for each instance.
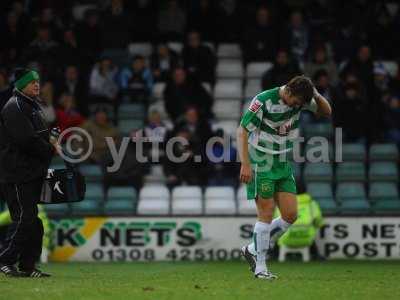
<point>255,105</point>
<point>265,187</point>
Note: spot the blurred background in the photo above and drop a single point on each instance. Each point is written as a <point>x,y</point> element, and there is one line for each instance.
<point>162,69</point>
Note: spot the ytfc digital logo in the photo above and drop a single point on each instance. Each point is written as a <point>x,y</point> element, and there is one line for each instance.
<point>130,234</point>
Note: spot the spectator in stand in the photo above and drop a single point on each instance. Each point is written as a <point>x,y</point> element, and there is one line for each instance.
<point>49,20</point>
<point>259,41</point>
<point>102,85</point>
<point>223,172</point>
<point>296,37</point>
<point>384,36</point>
<point>182,92</point>
<point>391,118</point>
<point>321,61</point>
<point>69,53</point>
<point>18,7</point>
<point>89,36</point>
<point>47,97</point>
<point>395,80</point>
<point>4,84</point>
<point>117,26</point>
<point>323,84</point>
<point>202,18</point>
<point>198,127</point>
<point>382,82</point>
<point>144,20</point>
<point>155,131</point>
<point>228,21</point>
<point>363,67</point>
<point>283,70</point>
<point>345,37</point>
<point>99,128</point>
<point>348,103</point>
<point>198,59</point>
<point>6,88</point>
<point>172,21</point>
<point>67,115</point>
<point>155,128</point>
<point>130,172</point>
<point>188,172</point>
<point>13,35</point>
<point>136,81</point>
<point>382,92</point>
<point>162,61</point>
<point>43,49</point>
<point>73,84</point>
<point>197,132</point>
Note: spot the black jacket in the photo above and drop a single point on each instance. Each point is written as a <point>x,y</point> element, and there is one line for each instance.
<point>25,150</point>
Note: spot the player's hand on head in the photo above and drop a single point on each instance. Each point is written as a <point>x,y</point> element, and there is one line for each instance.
<point>245,173</point>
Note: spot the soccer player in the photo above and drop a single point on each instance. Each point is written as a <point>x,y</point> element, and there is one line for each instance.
<point>265,138</point>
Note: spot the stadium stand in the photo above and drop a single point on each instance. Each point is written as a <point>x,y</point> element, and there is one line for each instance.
<point>370,156</point>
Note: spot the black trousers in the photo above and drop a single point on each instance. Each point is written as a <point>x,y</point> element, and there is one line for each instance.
<point>23,244</point>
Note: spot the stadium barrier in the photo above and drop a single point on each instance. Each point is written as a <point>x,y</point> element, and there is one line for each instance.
<point>121,239</point>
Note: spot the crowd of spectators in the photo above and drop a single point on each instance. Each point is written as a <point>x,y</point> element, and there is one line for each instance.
<point>334,42</point>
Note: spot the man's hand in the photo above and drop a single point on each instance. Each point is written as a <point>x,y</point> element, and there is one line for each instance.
<point>324,108</point>
<point>55,144</point>
<point>245,173</point>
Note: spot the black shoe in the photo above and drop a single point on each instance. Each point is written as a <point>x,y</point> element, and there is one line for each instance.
<point>250,258</point>
<point>34,273</point>
<point>10,271</point>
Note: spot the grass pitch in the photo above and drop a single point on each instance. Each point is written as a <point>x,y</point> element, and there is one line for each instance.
<point>208,280</point>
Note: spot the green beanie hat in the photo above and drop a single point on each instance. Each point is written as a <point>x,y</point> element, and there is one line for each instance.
<point>25,76</point>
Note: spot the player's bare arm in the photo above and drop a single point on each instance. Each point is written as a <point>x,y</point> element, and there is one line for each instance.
<point>324,108</point>
<point>243,149</point>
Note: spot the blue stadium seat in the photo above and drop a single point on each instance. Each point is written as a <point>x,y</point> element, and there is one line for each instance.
<point>120,207</point>
<point>131,111</point>
<point>383,152</point>
<point>87,207</point>
<point>320,191</point>
<point>93,202</point>
<point>314,151</point>
<point>383,171</point>
<point>383,191</point>
<point>94,191</point>
<point>92,173</point>
<point>126,126</point>
<point>328,206</point>
<point>121,193</point>
<point>359,206</point>
<point>119,57</point>
<point>62,209</point>
<point>387,207</point>
<point>319,129</point>
<point>354,152</point>
<point>351,171</point>
<point>121,200</point>
<point>318,172</point>
<point>350,190</point>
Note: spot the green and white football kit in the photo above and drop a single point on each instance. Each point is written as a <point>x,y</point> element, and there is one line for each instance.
<point>272,127</point>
